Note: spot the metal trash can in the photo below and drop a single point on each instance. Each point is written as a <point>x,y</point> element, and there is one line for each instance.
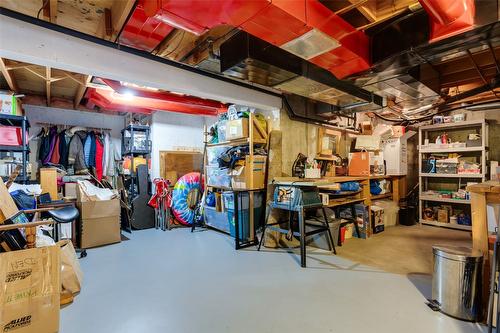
<point>456,282</point>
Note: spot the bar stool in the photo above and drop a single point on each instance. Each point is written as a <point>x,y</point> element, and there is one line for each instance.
<point>63,216</point>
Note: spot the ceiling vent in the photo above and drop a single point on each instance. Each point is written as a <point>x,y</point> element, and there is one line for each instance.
<point>311,44</point>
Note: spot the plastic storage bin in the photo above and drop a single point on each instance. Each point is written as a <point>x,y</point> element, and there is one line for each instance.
<point>446,167</point>
<point>218,177</point>
<point>217,220</point>
<point>213,154</point>
<point>243,212</point>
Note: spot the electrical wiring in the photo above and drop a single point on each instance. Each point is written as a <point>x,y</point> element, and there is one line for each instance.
<point>41,8</point>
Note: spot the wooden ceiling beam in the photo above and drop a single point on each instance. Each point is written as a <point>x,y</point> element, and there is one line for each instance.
<point>19,66</point>
<point>48,74</point>
<point>113,19</point>
<point>49,10</point>
<point>81,91</point>
<point>43,77</point>
<point>11,82</point>
<point>364,10</point>
<point>351,7</point>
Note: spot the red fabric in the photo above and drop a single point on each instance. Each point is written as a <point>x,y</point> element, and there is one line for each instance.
<point>54,159</point>
<point>98,158</point>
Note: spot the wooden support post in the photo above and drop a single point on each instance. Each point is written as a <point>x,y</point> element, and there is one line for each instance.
<point>81,91</point>
<point>47,83</point>
<point>8,77</point>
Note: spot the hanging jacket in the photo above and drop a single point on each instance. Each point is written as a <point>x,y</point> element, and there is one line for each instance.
<point>89,150</point>
<point>76,155</point>
<point>64,140</point>
<point>54,159</point>
<point>99,149</point>
<point>43,145</point>
<point>105,154</point>
<point>92,162</point>
<point>52,138</point>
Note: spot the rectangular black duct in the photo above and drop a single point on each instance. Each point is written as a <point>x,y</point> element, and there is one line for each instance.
<point>249,58</point>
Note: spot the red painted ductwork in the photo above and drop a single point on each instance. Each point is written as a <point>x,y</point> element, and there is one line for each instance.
<point>127,99</point>
<point>345,50</point>
<point>449,17</point>
<point>278,22</point>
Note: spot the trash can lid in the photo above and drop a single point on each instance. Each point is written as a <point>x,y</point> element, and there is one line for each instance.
<point>459,253</point>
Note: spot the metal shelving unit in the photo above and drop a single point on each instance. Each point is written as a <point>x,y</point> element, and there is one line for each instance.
<point>479,152</point>
<point>21,122</point>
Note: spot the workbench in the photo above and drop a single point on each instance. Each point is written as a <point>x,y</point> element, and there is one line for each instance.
<point>482,195</point>
<point>398,189</point>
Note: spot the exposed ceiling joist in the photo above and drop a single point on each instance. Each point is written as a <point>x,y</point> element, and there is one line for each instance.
<point>354,4</point>
<point>48,74</point>
<point>364,10</point>
<point>10,80</point>
<point>81,91</point>
<point>113,19</point>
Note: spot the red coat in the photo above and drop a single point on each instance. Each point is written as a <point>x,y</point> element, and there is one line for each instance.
<point>99,150</point>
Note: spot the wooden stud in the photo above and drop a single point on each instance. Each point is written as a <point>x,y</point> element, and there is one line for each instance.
<point>114,18</point>
<point>11,82</point>
<point>43,77</point>
<point>48,75</point>
<point>366,12</point>
<point>53,10</point>
<point>351,7</point>
<point>81,91</point>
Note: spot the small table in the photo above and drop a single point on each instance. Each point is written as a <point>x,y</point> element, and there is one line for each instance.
<point>482,195</point>
<point>301,197</point>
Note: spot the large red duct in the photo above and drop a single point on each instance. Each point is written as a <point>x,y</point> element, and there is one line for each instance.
<point>128,99</point>
<point>340,48</point>
<point>304,27</point>
<point>449,17</point>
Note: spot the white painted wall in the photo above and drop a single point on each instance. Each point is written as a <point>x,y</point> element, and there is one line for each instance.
<point>175,131</point>
<point>38,114</point>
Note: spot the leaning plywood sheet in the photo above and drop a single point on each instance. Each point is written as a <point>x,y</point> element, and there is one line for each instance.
<point>179,162</point>
<point>8,207</point>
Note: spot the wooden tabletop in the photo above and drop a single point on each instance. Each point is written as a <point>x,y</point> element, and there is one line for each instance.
<point>490,186</point>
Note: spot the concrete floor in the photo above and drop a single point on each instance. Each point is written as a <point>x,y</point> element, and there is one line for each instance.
<point>403,249</point>
<point>186,283</point>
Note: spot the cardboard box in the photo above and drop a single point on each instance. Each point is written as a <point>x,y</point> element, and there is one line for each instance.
<point>377,165</point>
<point>377,219</point>
<point>99,221</point>
<point>30,290</point>
<point>70,190</point>
<point>237,129</point>
<point>359,164</point>
<point>396,155</point>
<point>9,104</point>
<point>442,215</point>
<point>241,176</point>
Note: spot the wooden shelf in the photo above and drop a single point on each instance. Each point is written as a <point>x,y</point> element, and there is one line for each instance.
<point>452,150</point>
<point>335,203</point>
<point>452,175</point>
<point>467,123</point>
<point>438,199</point>
<point>319,158</point>
<point>447,225</point>
<point>381,196</point>
<point>237,142</point>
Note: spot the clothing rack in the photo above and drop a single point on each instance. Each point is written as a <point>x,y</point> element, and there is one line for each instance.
<point>66,126</point>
